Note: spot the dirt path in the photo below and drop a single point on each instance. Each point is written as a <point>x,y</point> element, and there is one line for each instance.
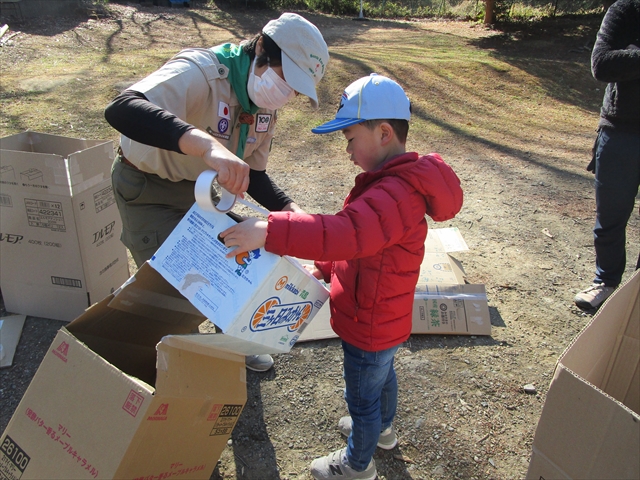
<point>518,132</point>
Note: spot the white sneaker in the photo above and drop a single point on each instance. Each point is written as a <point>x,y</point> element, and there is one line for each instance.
<point>259,363</point>
<point>336,466</point>
<point>386,441</point>
<point>593,296</point>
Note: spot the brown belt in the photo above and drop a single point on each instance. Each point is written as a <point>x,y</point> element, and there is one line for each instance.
<point>124,160</point>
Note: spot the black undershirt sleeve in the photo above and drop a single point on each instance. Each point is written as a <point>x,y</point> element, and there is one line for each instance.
<point>265,192</point>
<point>134,116</point>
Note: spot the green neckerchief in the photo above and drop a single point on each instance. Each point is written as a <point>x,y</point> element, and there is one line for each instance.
<point>238,62</point>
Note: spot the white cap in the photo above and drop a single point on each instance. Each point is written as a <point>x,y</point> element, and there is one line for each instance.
<point>369,98</point>
<point>304,52</point>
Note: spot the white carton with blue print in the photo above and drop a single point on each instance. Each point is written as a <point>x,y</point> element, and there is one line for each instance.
<point>259,300</point>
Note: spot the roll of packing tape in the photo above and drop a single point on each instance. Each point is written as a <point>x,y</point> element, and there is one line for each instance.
<point>206,194</point>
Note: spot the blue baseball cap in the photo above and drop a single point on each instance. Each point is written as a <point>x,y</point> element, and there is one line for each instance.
<point>369,98</point>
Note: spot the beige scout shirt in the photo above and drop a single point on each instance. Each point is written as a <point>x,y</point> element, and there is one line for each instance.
<point>193,86</point>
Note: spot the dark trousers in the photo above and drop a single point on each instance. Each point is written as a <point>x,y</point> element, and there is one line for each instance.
<point>617,156</point>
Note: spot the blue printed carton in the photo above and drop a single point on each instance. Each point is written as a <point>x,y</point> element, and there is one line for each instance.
<point>262,302</point>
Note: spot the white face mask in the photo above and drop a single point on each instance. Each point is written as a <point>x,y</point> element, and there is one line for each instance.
<point>268,91</point>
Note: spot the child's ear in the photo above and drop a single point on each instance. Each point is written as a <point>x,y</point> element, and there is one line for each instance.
<point>386,133</point>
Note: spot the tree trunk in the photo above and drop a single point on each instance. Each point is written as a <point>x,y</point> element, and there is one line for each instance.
<point>489,6</point>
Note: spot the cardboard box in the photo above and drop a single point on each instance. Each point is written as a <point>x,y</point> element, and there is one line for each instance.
<point>10,331</point>
<point>125,392</point>
<point>59,225</point>
<point>590,422</point>
<point>259,300</point>
<point>444,303</point>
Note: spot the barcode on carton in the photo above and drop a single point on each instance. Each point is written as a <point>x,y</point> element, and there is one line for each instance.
<point>66,282</point>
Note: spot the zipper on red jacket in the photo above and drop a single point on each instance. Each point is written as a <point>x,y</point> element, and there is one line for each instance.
<point>355,296</point>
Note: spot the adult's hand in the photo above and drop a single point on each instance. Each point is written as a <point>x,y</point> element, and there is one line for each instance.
<point>293,207</point>
<point>233,173</point>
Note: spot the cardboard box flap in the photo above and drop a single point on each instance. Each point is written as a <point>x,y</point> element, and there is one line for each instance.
<point>66,165</point>
<point>445,240</point>
<point>125,341</point>
<point>41,173</point>
<point>210,344</point>
<point>126,338</point>
<point>149,295</point>
<point>85,173</point>
<point>574,416</point>
<point>189,372</point>
<point>35,142</point>
<point>441,268</point>
<point>609,355</point>
<point>621,379</point>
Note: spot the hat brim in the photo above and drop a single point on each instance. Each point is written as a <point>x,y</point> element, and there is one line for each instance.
<point>336,124</point>
<point>297,79</point>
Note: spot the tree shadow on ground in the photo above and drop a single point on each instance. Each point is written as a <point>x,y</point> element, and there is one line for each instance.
<point>557,51</point>
<point>253,452</point>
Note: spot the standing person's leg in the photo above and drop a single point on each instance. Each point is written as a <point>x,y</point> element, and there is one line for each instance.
<point>369,376</point>
<point>617,159</point>
<point>388,406</point>
<point>617,180</point>
<point>150,208</point>
<point>389,403</point>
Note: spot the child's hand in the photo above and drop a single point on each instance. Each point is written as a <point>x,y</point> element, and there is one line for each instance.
<point>313,270</point>
<point>245,236</point>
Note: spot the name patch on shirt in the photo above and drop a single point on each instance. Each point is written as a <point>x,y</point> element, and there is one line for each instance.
<point>216,134</point>
<point>263,120</point>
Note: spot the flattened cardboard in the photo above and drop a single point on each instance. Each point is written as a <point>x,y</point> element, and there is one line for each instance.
<point>590,423</point>
<point>258,299</point>
<point>120,395</point>
<point>451,309</point>
<point>459,308</point>
<point>59,225</point>
<point>10,331</point>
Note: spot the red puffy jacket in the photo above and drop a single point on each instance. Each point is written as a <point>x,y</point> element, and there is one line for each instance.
<point>372,249</point>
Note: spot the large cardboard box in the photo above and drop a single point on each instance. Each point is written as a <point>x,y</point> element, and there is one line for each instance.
<point>259,300</point>
<point>590,422</point>
<point>59,225</point>
<point>443,304</point>
<point>126,392</point>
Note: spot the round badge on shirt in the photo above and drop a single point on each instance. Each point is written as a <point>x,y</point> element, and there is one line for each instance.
<point>223,125</point>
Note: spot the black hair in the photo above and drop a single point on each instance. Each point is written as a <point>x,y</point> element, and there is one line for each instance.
<point>400,127</point>
<point>271,53</point>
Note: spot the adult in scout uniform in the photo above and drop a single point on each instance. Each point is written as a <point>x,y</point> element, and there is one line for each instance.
<point>209,109</point>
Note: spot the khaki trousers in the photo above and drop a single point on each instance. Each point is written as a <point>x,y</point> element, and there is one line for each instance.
<point>150,207</point>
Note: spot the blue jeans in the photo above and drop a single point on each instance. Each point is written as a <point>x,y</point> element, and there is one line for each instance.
<point>372,398</point>
<point>617,156</point>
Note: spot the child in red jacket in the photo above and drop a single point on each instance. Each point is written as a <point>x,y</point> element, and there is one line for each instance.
<point>371,253</point>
